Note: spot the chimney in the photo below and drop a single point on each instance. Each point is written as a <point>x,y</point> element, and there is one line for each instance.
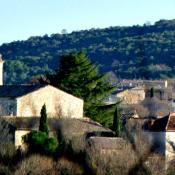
<point>1,70</point>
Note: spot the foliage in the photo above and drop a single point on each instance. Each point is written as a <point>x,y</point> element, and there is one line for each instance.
<point>79,76</point>
<point>35,164</point>
<point>152,92</point>
<point>40,142</point>
<point>117,122</point>
<point>68,167</point>
<point>43,127</point>
<point>131,52</point>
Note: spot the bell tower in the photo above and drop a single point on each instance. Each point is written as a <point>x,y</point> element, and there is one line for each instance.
<point>1,70</point>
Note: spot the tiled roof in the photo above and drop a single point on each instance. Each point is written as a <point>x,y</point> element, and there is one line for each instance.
<point>14,91</point>
<point>107,142</point>
<point>159,124</point>
<point>171,122</point>
<point>67,124</point>
<point>166,123</point>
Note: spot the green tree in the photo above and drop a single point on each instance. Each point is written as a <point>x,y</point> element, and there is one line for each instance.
<point>43,127</point>
<point>40,142</point>
<point>79,76</point>
<point>117,126</point>
<point>152,92</point>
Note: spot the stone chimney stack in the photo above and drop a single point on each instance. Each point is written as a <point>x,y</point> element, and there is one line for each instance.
<point>1,70</point>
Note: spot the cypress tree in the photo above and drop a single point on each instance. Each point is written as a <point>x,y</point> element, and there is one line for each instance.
<point>152,92</point>
<point>77,75</point>
<point>43,127</point>
<point>117,122</point>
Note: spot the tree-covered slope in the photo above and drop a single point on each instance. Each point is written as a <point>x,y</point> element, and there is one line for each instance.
<point>146,51</point>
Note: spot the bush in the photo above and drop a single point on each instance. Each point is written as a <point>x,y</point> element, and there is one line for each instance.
<point>65,166</point>
<point>40,142</point>
<point>36,165</point>
<point>51,145</point>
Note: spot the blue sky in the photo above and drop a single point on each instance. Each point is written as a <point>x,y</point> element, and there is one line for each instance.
<point>20,19</point>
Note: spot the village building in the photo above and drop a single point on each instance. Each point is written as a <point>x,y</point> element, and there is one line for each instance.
<point>132,95</point>
<point>27,100</point>
<point>144,83</point>
<point>162,132</point>
<point>20,107</point>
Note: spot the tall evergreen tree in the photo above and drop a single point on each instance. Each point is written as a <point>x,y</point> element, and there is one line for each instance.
<point>152,92</point>
<point>79,76</point>
<point>43,120</point>
<point>117,122</point>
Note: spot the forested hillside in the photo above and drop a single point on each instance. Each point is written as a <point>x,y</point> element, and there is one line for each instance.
<point>146,51</point>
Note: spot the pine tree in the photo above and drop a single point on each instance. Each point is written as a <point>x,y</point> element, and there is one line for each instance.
<point>77,75</point>
<point>43,127</point>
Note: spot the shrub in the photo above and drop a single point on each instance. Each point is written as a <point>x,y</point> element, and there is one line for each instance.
<point>36,165</point>
<point>40,142</point>
<point>65,166</point>
<point>51,145</point>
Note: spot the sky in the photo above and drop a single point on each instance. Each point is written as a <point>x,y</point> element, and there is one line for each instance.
<point>20,19</point>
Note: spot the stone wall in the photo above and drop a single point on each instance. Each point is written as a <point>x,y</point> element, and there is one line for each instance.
<point>132,96</point>
<point>58,103</point>
<point>7,107</point>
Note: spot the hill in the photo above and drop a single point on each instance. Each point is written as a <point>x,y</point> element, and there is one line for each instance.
<point>131,52</point>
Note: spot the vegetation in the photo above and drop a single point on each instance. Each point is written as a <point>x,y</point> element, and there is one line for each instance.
<point>131,52</point>
<point>77,75</point>
<point>43,127</point>
<point>39,141</point>
<point>129,159</point>
<point>117,126</point>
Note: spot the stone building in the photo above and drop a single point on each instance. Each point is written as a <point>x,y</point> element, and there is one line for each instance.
<point>27,100</point>
<point>132,96</point>
<point>20,107</point>
<point>162,133</point>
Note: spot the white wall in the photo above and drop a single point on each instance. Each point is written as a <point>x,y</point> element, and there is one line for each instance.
<point>18,138</point>
<point>58,103</point>
<point>170,144</point>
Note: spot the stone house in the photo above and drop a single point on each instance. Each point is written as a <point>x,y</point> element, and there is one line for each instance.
<point>132,96</point>
<point>20,107</point>
<point>27,100</point>
<point>162,133</point>
<point>144,83</point>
